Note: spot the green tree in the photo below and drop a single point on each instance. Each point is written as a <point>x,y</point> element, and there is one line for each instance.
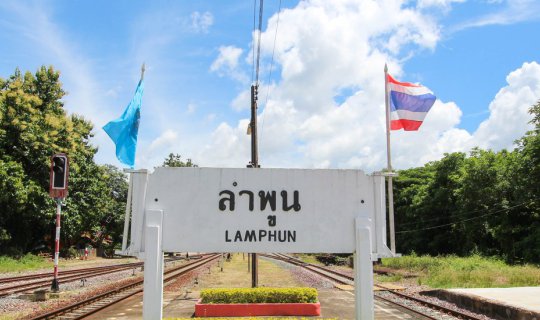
<point>175,160</point>
<point>430,203</point>
<point>486,202</point>
<point>411,191</point>
<point>528,191</point>
<point>33,126</point>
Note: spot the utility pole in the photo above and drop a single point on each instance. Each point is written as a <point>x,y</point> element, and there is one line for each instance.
<point>254,164</point>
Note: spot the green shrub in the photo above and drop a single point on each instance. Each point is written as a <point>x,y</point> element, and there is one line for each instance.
<point>259,295</point>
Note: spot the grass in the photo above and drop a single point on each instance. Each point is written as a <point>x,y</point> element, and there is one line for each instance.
<point>469,272</point>
<point>25,263</point>
<point>31,262</point>
<point>308,258</point>
<point>235,275</point>
<point>389,278</point>
<point>12,316</point>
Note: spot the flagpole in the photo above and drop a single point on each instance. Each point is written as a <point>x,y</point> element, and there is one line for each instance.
<point>127,214</point>
<point>389,165</point>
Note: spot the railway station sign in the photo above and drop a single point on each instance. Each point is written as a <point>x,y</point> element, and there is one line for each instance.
<point>256,210</point>
<point>262,210</point>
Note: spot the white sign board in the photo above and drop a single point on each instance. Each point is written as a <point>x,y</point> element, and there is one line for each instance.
<point>263,210</point>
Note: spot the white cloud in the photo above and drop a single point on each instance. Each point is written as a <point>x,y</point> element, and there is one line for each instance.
<point>508,119</point>
<point>242,101</point>
<point>201,22</point>
<point>341,46</point>
<point>191,108</point>
<point>226,64</point>
<point>229,147</point>
<point>166,139</point>
<point>513,11</point>
<point>444,4</point>
<point>323,49</point>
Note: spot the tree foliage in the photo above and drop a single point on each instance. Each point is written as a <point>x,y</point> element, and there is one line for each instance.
<point>175,160</point>
<point>34,126</point>
<point>487,202</point>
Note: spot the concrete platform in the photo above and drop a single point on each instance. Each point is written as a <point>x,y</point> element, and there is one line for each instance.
<point>521,303</point>
<point>335,303</point>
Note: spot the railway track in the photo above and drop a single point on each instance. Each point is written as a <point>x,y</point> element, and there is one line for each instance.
<point>68,272</point>
<point>91,305</point>
<point>441,312</point>
<point>43,280</point>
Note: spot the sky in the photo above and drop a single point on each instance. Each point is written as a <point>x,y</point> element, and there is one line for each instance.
<point>321,94</point>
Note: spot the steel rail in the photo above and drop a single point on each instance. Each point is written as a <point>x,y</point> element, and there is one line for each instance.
<point>432,305</point>
<point>426,303</point>
<point>67,272</point>
<point>87,273</point>
<point>78,271</point>
<point>6,291</point>
<point>406,307</point>
<point>309,266</point>
<point>75,308</point>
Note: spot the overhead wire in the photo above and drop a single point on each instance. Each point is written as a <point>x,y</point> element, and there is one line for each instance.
<point>270,72</point>
<point>259,43</point>
<point>253,52</point>
<point>464,220</point>
<point>443,217</point>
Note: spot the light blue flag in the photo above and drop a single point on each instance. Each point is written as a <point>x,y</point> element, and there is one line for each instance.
<point>123,131</point>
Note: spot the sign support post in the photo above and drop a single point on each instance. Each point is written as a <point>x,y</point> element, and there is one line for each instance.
<point>128,213</point>
<point>363,271</point>
<point>153,266</point>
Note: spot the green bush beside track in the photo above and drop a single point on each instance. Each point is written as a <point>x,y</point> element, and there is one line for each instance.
<point>259,295</point>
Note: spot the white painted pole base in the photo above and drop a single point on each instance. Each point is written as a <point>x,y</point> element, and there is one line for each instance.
<point>153,266</point>
<point>363,271</point>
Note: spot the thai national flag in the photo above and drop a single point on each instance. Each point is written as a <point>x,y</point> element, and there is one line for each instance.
<point>409,104</point>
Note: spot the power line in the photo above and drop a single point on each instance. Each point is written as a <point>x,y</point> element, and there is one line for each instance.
<point>444,217</point>
<point>253,47</point>
<point>464,220</point>
<point>270,73</point>
<point>259,43</point>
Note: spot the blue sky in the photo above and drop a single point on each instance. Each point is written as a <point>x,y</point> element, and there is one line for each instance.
<point>323,105</point>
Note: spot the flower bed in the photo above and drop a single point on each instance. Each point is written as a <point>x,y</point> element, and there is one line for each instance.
<point>258,302</point>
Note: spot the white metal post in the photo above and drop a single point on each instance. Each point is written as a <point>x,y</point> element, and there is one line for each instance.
<point>153,266</point>
<point>127,214</point>
<point>363,271</point>
<point>138,196</point>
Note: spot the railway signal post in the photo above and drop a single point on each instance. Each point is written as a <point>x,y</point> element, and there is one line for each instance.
<point>58,190</point>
